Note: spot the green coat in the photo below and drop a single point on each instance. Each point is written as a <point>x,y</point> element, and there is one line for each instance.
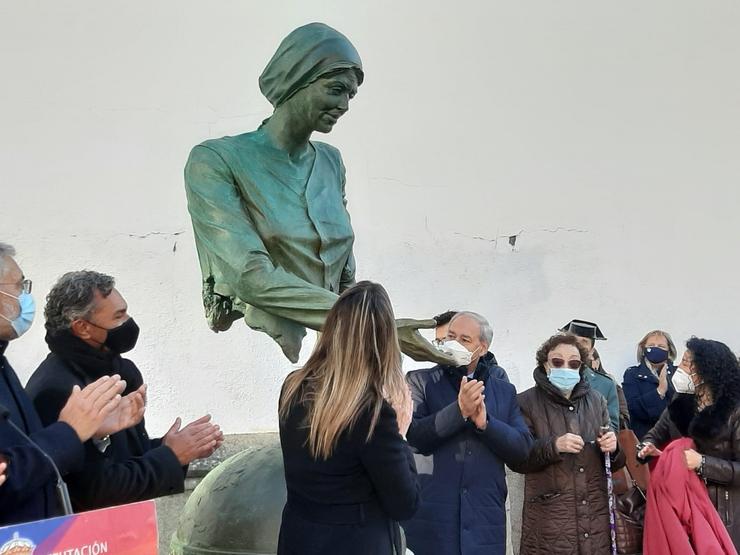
<point>273,247</point>
<point>608,388</point>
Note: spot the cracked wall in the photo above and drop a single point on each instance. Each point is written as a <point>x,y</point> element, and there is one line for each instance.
<point>533,162</point>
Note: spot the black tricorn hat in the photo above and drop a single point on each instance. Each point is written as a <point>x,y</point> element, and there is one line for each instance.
<point>581,328</point>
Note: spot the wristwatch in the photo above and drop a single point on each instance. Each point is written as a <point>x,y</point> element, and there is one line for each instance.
<point>700,470</point>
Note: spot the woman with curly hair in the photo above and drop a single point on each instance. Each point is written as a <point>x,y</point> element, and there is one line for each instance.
<point>566,508</point>
<point>706,408</point>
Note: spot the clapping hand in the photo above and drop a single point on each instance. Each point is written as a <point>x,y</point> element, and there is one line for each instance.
<point>129,413</point>
<point>87,409</point>
<point>470,396</point>
<point>480,418</point>
<point>663,381</point>
<point>471,400</point>
<point>197,440</point>
<point>3,468</point>
<point>404,408</point>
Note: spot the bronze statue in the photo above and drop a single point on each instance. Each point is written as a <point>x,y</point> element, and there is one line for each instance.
<point>273,234</point>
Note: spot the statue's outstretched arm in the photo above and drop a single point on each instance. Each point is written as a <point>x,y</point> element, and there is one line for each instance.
<point>224,230</point>
<point>414,345</point>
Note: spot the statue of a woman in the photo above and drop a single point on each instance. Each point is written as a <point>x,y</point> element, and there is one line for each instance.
<point>273,233</point>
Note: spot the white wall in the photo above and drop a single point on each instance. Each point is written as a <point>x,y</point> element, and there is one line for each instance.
<point>606,135</point>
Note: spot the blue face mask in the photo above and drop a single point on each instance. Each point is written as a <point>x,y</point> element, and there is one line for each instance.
<point>563,378</point>
<point>656,355</point>
<point>22,323</point>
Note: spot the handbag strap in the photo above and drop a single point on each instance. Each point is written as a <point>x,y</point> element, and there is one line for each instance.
<point>640,473</point>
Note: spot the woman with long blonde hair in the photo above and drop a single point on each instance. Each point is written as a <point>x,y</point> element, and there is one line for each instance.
<point>343,419</point>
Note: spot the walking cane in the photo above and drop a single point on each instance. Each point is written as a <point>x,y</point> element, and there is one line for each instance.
<point>610,493</point>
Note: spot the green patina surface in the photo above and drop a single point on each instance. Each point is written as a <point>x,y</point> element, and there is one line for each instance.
<point>273,234</point>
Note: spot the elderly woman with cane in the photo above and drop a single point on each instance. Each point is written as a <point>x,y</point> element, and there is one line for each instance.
<point>566,500</point>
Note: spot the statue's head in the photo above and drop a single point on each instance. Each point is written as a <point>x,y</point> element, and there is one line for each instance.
<point>312,76</point>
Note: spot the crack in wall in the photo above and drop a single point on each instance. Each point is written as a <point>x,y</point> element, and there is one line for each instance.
<point>152,233</point>
<point>565,229</point>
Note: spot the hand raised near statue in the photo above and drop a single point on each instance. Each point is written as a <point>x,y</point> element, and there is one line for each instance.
<point>414,345</point>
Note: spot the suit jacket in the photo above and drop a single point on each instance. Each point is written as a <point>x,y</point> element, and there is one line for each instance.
<point>132,468</point>
<point>461,469</point>
<point>350,503</point>
<point>29,493</point>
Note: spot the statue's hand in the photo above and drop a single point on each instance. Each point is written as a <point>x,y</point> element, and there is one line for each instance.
<point>414,345</point>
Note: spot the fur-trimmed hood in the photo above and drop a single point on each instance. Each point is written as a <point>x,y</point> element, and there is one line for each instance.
<point>707,424</point>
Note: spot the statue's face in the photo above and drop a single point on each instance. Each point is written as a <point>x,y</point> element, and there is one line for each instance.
<point>323,102</point>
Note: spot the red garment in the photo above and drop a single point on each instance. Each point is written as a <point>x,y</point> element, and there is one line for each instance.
<point>680,519</point>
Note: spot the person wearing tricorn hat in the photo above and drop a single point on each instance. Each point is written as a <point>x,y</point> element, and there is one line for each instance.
<point>625,419</point>
<point>588,333</point>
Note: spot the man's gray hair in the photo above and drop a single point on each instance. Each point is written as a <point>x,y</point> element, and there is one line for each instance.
<point>5,250</point>
<point>486,331</point>
<point>73,298</point>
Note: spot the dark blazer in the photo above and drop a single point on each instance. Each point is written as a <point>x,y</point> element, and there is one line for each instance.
<point>461,469</point>
<point>489,360</point>
<point>350,503</point>
<point>29,493</point>
<point>641,391</point>
<point>132,468</point>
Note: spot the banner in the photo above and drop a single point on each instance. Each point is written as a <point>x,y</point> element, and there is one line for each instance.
<point>125,530</point>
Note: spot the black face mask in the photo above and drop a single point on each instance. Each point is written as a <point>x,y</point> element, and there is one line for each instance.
<point>122,338</point>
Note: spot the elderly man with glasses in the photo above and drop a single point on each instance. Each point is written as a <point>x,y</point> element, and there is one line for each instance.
<point>466,426</point>
<point>28,450</point>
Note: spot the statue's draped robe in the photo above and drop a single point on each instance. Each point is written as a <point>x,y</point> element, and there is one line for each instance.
<point>272,245</point>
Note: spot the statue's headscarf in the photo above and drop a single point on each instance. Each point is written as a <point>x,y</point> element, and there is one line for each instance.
<point>305,55</point>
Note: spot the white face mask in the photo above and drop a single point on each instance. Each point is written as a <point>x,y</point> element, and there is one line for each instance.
<point>682,382</point>
<point>460,354</point>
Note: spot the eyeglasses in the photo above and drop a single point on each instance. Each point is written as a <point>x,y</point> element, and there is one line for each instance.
<point>25,285</point>
<point>559,363</point>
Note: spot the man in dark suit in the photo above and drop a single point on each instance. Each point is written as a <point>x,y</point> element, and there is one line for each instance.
<point>88,327</point>
<point>466,426</point>
<point>28,492</point>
